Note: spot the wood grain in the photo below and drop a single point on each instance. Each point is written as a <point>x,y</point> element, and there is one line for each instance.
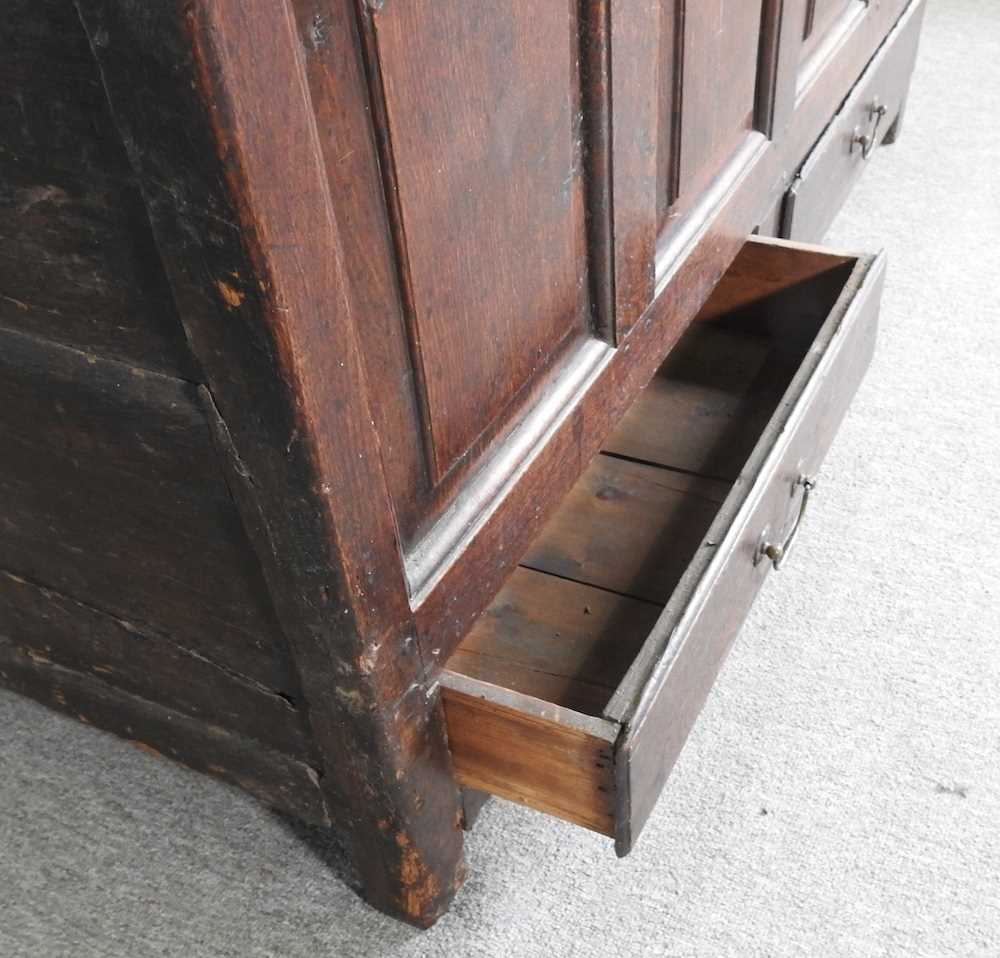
<point>50,627</point>
<point>636,120</point>
<point>556,640</point>
<point>113,495</point>
<point>78,264</point>
<point>280,781</point>
<point>628,527</point>
<point>534,760</point>
<point>721,49</point>
<point>692,256</point>
<point>482,128</point>
<point>212,100</point>
<point>349,120</point>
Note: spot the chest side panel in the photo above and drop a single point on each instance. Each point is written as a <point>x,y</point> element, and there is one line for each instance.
<point>78,264</point>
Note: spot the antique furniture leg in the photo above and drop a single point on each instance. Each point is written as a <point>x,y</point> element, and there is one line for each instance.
<point>211,102</point>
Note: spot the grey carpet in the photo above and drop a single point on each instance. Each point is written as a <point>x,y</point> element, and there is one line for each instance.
<point>841,793</point>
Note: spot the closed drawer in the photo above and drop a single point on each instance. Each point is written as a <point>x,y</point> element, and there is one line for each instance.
<point>574,692</point>
<point>853,137</point>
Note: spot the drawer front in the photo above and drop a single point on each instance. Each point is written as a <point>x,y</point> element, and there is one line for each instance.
<point>700,624</point>
<point>851,140</point>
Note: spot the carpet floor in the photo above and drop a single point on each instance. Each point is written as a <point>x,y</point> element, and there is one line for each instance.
<point>840,795</point>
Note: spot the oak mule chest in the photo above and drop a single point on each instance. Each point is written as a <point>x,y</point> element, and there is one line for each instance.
<point>402,402</point>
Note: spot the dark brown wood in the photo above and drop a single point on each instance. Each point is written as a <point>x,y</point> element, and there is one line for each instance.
<point>339,92</point>
<point>254,258</point>
<point>52,628</point>
<point>501,147</point>
<point>77,261</point>
<point>636,97</point>
<point>595,131</point>
<point>780,40</point>
<point>837,162</point>
<point>566,644</point>
<point>721,52</point>
<point>285,783</point>
<point>670,61</point>
<point>692,255</point>
<point>112,495</point>
<point>317,313</point>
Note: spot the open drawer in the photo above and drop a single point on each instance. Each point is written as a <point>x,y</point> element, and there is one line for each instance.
<point>574,692</point>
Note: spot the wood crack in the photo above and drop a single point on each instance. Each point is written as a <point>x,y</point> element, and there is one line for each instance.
<point>143,630</point>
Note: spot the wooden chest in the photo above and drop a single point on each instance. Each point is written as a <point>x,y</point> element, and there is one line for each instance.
<point>397,403</point>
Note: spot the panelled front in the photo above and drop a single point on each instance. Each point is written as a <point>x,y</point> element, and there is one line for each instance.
<point>703,73</point>
<point>480,115</point>
<point>826,26</point>
<point>719,70</point>
<point>822,20</point>
<point>472,273</point>
<point>514,187</point>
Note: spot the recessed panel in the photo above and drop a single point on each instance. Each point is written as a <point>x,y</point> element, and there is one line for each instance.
<point>480,110</point>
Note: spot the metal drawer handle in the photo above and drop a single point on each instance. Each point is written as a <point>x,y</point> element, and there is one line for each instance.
<point>868,141</point>
<point>778,553</point>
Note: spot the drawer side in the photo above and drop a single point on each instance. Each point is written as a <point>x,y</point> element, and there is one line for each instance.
<point>531,752</point>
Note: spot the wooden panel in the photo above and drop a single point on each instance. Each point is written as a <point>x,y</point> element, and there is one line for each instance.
<point>637,118</point>
<point>339,95</point>
<point>548,760</point>
<point>692,256</point>
<point>836,163</point>
<point>660,698</point>
<point>482,117</point>
<point>721,45</point>
<point>628,527</point>
<point>777,69</point>
<point>53,629</point>
<point>77,259</point>
<point>821,18</point>
<point>670,81</point>
<point>282,782</point>
<point>113,495</point>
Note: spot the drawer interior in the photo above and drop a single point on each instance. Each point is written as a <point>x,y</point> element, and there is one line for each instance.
<point>539,667</point>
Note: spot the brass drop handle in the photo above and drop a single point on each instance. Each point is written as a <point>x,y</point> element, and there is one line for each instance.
<point>868,141</point>
<point>778,552</point>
